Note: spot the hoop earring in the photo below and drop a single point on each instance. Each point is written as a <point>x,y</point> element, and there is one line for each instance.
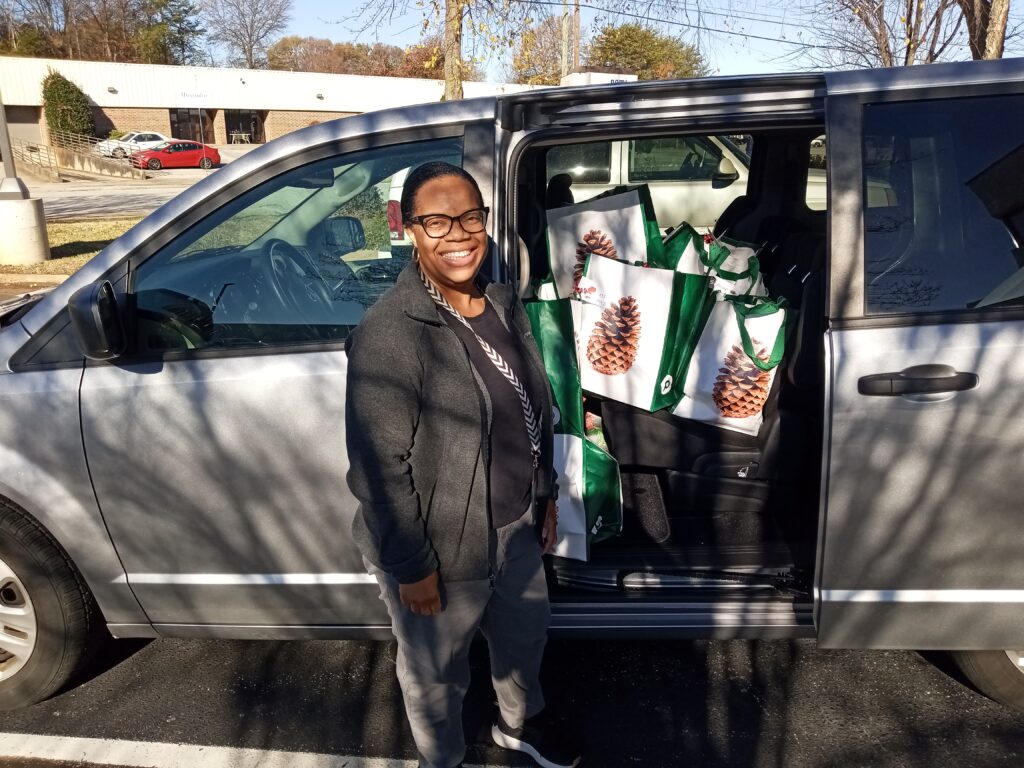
<point>415,254</point>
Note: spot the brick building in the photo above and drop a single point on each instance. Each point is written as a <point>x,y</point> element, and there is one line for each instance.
<point>209,104</point>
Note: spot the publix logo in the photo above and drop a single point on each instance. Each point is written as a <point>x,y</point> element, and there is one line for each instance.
<point>556,415</point>
<point>666,385</point>
<point>597,525</point>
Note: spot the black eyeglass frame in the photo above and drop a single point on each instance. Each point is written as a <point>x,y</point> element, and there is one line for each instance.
<point>451,222</point>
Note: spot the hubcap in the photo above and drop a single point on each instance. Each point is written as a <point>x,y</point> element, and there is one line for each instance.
<point>1017,657</point>
<point>18,629</point>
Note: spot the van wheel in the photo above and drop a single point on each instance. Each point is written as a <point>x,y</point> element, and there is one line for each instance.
<point>48,619</point>
<point>997,674</point>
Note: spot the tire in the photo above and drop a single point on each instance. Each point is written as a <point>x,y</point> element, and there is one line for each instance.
<point>57,621</point>
<point>153,164</point>
<point>206,163</point>
<point>118,153</point>
<point>995,674</point>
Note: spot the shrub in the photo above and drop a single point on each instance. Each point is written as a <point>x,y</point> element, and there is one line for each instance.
<point>116,134</point>
<point>66,106</point>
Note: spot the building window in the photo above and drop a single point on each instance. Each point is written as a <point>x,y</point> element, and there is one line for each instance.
<point>244,126</point>
<point>192,125</point>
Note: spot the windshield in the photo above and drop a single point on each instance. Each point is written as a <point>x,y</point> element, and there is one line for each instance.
<point>161,146</point>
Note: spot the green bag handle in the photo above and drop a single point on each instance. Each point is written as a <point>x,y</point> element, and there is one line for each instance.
<point>713,255</point>
<point>752,271</point>
<point>760,306</point>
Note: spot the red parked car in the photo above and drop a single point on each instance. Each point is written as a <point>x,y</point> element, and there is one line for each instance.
<point>177,154</point>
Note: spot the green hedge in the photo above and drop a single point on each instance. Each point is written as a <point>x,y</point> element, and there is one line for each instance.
<point>66,106</point>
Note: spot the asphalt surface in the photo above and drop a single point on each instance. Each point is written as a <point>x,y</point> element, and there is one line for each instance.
<point>771,704</point>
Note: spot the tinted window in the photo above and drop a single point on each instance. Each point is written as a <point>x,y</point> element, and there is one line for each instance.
<point>295,260</point>
<point>942,181</point>
<point>684,158</point>
<point>586,163</point>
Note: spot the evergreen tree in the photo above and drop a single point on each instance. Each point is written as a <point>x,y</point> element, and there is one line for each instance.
<point>66,107</point>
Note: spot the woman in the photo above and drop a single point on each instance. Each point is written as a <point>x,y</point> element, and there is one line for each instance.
<point>450,452</point>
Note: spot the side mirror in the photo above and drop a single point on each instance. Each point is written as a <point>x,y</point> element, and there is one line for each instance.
<point>725,175</point>
<point>97,322</point>
<point>344,233</point>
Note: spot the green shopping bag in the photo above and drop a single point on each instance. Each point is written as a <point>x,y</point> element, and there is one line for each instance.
<point>590,490</point>
<point>619,224</point>
<point>684,250</point>
<point>638,328</point>
<point>734,267</point>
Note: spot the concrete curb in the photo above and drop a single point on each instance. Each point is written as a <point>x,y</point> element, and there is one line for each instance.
<point>17,278</point>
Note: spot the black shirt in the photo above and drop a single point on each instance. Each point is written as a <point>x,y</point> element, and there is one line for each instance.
<point>510,473</point>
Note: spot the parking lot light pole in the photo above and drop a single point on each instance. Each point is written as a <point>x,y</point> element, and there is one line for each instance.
<point>21,218</point>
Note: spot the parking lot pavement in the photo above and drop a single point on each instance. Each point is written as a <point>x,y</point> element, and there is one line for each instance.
<point>665,703</point>
<point>86,199</point>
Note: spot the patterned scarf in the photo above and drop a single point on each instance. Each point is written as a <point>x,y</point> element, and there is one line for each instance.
<point>529,415</point>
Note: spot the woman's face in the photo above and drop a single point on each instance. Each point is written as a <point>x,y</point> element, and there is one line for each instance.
<point>451,261</point>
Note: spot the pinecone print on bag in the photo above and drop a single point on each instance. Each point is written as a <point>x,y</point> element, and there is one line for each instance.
<point>613,342</point>
<point>741,387</point>
<point>596,242</point>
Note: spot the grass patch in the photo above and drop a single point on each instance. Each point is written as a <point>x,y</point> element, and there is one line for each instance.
<point>73,243</point>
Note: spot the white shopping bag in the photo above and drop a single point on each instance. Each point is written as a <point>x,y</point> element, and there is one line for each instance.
<point>734,268</point>
<point>636,331</point>
<point>615,226</point>
<point>734,365</point>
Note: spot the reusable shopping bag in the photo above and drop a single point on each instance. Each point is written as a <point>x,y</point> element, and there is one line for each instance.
<point>638,327</point>
<point>590,493</point>
<point>734,267</point>
<point>684,250</point>
<point>733,367</point>
<point>619,224</point>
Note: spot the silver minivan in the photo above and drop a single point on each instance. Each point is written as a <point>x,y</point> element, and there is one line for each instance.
<point>172,439</point>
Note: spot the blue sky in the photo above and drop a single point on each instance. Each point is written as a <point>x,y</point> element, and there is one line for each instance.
<point>733,47</point>
<point>729,53</point>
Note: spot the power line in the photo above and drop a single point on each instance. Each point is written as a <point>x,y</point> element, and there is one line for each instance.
<point>698,27</point>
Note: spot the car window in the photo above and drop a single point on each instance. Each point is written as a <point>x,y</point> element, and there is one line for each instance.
<point>585,163</point>
<point>677,158</point>
<point>942,224</point>
<point>296,260</point>
<point>817,182</point>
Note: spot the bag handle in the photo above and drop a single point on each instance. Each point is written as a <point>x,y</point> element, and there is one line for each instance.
<point>760,306</point>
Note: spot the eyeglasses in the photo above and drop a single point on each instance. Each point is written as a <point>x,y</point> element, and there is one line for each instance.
<point>438,225</point>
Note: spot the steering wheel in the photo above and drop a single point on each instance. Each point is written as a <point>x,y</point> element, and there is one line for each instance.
<point>295,281</point>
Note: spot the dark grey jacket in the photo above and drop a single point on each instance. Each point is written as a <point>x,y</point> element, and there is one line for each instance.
<point>417,418</point>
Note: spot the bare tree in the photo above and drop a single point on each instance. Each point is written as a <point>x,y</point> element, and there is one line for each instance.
<point>891,33</point>
<point>246,27</point>
<point>986,26</point>
<point>490,26</point>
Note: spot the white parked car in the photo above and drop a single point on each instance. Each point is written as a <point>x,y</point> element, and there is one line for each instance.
<point>131,142</point>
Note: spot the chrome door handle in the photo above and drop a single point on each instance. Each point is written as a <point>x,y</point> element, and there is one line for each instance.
<point>917,380</point>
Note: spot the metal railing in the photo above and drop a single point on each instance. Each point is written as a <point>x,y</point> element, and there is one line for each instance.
<point>39,157</point>
<point>76,142</point>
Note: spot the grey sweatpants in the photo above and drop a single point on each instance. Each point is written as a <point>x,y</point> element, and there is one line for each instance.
<point>433,651</point>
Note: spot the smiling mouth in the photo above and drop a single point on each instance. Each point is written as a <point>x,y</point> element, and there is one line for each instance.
<point>456,256</point>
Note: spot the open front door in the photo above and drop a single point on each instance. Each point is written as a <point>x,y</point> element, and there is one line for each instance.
<point>921,544</point>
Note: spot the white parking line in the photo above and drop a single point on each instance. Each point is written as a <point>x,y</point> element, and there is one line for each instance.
<point>148,754</point>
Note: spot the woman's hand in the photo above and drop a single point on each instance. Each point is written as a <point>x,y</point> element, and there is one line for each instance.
<point>423,596</point>
<point>549,534</point>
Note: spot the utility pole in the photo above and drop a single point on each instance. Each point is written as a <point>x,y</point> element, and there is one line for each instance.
<point>576,40</point>
<point>565,37</point>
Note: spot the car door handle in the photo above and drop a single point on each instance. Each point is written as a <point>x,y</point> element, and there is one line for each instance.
<point>917,380</point>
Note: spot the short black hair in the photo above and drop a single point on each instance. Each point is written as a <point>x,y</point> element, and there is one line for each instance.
<point>428,172</point>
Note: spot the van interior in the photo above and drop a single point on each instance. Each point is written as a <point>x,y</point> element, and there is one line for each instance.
<point>711,514</point>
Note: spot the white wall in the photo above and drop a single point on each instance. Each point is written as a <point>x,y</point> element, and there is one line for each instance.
<point>160,86</point>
